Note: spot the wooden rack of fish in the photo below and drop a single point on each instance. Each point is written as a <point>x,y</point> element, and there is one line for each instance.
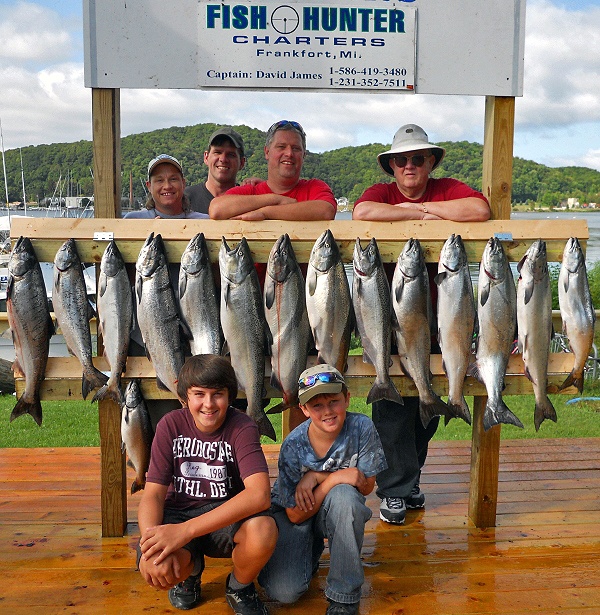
<point>269,332</point>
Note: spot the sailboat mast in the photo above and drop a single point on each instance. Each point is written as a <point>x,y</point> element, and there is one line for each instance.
<point>4,168</point>
<point>23,182</point>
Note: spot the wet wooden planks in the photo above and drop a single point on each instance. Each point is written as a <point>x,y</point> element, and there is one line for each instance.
<point>543,557</point>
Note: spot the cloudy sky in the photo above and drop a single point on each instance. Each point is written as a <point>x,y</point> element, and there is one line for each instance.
<point>557,121</point>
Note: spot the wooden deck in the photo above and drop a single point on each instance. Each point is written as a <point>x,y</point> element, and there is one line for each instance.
<point>543,557</point>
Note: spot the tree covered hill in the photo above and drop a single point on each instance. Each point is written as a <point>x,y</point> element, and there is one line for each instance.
<point>348,170</point>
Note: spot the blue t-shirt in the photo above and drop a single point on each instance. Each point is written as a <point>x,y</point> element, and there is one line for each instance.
<point>357,445</point>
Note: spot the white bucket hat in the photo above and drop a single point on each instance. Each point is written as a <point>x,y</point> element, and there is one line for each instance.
<point>409,138</point>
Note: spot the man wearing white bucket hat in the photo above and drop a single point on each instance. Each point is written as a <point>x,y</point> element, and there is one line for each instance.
<point>412,196</point>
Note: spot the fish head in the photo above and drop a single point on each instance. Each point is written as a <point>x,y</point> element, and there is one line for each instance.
<point>195,257</point>
<point>494,261</point>
<point>282,259</point>
<point>133,393</point>
<point>151,256</point>
<point>22,258</point>
<point>453,255</point>
<point>325,252</point>
<point>411,260</point>
<point>573,257</point>
<point>112,261</point>
<point>67,256</point>
<point>235,263</point>
<point>535,260</point>
<point>365,262</point>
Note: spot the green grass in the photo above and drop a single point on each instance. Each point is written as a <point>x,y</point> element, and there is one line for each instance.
<point>75,423</point>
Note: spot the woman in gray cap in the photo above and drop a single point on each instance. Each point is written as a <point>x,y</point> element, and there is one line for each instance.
<point>412,196</point>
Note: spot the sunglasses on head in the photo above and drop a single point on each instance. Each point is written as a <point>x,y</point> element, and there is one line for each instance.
<point>311,380</point>
<point>283,123</point>
<point>418,160</point>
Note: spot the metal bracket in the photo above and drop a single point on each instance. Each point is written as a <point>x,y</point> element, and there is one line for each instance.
<point>503,236</point>
<point>104,236</point>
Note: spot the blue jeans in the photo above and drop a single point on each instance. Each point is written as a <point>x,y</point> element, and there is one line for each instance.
<point>341,519</point>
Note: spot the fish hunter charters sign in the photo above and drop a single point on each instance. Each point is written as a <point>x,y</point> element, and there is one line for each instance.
<point>472,47</point>
<point>351,45</point>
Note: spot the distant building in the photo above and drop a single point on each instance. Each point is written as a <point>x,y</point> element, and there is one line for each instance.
<point>572,202</point>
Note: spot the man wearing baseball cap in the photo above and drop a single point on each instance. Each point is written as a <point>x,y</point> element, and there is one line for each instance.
<point>165,183</point>
<point>327,465</point>
<point>224,156</point>
<point>414,195</point>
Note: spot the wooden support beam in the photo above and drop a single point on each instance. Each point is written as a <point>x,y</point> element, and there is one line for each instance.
<point>106,126</point>
<point>498,154</point>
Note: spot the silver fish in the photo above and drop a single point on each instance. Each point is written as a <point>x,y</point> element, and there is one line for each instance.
<point>73,312</point>
<point>411,323</point>
<point>534,323</point>
<point>285,311</point>
<point>115,319</point>
<point>244,327</point>
<point>373,310</point>
<point>576,309</point>
<point>329,303</point>
<point>456,321</point>
<point>136,432</point>
<point>198,298</point>
<point>157,313</point>
<point>30,324</point>
<point>497,316</point>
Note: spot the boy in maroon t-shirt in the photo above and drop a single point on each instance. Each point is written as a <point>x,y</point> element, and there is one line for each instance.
<point>207,492</point>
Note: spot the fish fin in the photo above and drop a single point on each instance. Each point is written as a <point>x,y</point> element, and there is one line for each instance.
<point>528,374</point>
<point>277,409</point>
<point>7,334</point>
<point>226,289</point>
<point>17,369</point>
<point>520,264</point>
<point>544,410</point>
<point>528,291</point>
<point>366,357</point>
<point>265,428</point>
<point>275,382</point>
<point>311,281</point>
<point>225,348</point>
<point>139,283</point>
<point>572,380</point>
<point>33,408</point>
<point>269,292</point>
<point>91,380</point>
<point>267,339</point>
<point>458,411</point>
<point>137,486</point>
<point>103,284</point>
<point>398,289</point>
<point>161,385</point>
<point>384,390</point>
<point>405,369</point>
<point>440,277</point>
<point>427,411</point>
<point>484,293</point>
<point>473,370</point>
<point>182,285</point>
<point>357,287</point>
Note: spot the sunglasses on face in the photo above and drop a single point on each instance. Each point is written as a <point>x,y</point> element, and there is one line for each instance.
<point>309,381</point>
<point>418,160</point>
<point>277,125</point>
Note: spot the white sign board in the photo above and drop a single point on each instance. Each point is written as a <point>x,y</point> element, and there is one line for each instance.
<point>264,44</point>
<point>471,47</point>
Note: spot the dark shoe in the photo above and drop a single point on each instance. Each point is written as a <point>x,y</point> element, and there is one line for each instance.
<point>244,601</point>
<point>416,499</point>
<point>186,595</point>
<point>339,608</point>
<point>392,510</point>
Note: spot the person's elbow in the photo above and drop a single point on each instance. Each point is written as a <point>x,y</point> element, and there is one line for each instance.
<point>217,211</point>
<point>484,212</point>
<point>360,212</point>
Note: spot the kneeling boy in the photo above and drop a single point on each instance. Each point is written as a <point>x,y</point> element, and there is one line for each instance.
<point>207,491</point>
<point>327,465</point>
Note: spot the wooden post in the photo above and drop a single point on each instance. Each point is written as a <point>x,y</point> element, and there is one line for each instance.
<point>497,186</point>
<point>106,121</point>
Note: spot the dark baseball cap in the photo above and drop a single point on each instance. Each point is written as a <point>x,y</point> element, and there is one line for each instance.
<point>229,133</point>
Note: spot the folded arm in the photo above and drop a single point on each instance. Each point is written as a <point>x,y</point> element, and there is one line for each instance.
<point>468,209</point>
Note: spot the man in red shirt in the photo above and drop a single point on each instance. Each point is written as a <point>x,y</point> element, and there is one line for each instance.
<point>412,196</point>
<point>283,196</point>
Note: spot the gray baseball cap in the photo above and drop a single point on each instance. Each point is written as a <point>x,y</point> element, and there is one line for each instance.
<point>162,158</point>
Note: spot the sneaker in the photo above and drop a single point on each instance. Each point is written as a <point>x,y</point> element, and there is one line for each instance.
<point>244,601</point>
<point>339,608</point>
<point>392,510</point>
<point>416,499</point>
<point>186,595</point>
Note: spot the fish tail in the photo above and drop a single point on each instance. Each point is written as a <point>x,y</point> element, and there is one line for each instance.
<point>429,410</point>
<point>111,390</point>
<point>265,428</point>
<point>573,380</point>
<point>384,390</point>
<point>137,485</point>
<point>543,410</point>
<point>34,408</point>
<point>458,411</point>
<point>277,409</point>
<point>92,379</point>
<point>502,414</point>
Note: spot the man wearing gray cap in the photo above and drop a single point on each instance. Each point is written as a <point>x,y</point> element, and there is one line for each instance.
<point>224,158</point>
<point>412,196</point>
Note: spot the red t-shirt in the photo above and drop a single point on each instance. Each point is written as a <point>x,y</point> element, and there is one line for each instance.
<point>305,190</point>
